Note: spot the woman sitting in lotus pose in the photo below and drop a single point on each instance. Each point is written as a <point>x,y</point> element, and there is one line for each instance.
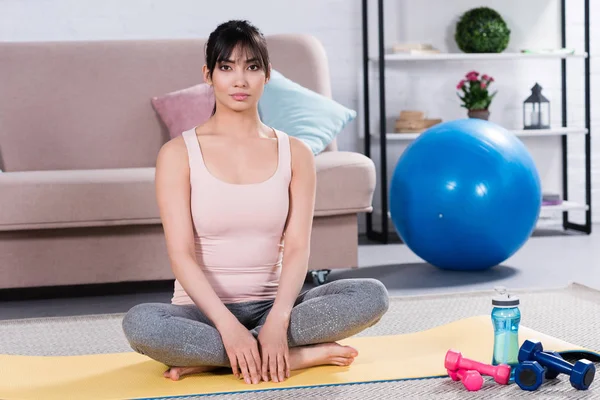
<point>236,199</point>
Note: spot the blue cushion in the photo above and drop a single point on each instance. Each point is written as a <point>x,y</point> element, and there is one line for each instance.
<point>302,113</point>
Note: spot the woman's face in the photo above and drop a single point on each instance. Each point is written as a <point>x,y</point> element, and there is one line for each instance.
<point>238,82</point>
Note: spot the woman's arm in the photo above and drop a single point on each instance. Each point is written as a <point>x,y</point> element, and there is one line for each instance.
<point>298,231</point>
<point>172,182</point>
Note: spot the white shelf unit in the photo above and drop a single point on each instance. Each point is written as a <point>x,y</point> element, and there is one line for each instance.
<point>519,132</point>
<point>564,206</point>
<point>546,209</point>
<point>476,56</point>
<point>381,61</point>
<point>547,218</point>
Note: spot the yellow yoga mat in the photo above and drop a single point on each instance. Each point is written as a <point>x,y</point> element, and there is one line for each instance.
<point>133,376</point>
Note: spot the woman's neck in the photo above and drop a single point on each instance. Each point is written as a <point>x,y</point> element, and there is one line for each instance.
<point>245,124</point>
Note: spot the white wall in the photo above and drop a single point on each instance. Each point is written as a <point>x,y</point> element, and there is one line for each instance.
<point>337,23</point>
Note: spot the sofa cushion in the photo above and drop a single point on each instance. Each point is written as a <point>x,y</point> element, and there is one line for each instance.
<point>300,112</point>
<point>184,109</point>
<point>126,196</point>
<point>345,183</point>
<point>57,199</point>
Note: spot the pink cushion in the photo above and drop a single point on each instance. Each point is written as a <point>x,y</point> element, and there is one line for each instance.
<point>185,108</point>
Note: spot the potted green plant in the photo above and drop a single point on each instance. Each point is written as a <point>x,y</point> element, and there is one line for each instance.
<point>482,30</point>
<point>475,95</point>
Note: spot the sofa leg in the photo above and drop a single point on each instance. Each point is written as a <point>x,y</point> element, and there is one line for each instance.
<point>319,277</point>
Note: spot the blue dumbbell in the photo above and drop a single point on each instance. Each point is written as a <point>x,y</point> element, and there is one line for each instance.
<point>552,373</point>
<point>581,373</point>
<point>529,375</point>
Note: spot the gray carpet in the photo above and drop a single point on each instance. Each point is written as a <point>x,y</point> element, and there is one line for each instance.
<point>571,314</point>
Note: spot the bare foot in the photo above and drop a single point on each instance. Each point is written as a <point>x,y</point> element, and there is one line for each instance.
<point>321,354</point>
<point>300,357</point>
<point>175,373</point>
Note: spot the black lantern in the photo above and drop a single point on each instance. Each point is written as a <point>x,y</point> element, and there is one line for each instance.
<point>536,110</point>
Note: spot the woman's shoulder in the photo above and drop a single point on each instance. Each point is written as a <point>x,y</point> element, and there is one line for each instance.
<point>173,152</point>
<point>298,147</point>
<point>302,157</point>
<point>176,144</point>
<point>295,143</point>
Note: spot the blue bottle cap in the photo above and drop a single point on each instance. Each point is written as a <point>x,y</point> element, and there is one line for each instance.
<point>503,298</point>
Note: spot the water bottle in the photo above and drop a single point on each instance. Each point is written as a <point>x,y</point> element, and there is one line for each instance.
<point>506,318</point>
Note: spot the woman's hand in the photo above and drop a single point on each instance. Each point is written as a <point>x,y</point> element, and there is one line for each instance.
<point>242,350</point>
<point>274,350</point>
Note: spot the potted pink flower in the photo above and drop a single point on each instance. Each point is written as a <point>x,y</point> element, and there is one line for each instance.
<point>475,95</point>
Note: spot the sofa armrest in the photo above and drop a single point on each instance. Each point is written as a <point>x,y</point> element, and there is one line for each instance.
<point>345,183</point>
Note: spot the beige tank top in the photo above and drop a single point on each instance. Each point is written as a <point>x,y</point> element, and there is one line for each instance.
<point>238,228</point>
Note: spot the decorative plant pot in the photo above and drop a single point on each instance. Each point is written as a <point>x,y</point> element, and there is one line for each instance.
<point>480,114</point>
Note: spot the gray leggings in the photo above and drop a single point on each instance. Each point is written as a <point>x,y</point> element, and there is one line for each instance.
<point>180,335</point>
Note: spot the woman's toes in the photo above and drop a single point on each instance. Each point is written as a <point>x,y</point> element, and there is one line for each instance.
<point>352,352</point>
<point>175,374</point>
<point>171,373</point>
<point>342,361</point>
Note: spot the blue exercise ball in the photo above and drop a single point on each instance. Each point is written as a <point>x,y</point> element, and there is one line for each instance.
<point>465,195</point>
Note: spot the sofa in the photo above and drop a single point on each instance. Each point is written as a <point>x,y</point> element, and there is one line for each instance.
<point>78,144</point>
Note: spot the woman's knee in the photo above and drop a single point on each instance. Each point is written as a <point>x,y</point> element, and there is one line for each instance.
<point>368,294</point>
<point>138,323</point>
<point>375,295</point>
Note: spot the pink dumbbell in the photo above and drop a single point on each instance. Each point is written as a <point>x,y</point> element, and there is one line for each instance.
<point>472,380</point>
<point>455,361</point>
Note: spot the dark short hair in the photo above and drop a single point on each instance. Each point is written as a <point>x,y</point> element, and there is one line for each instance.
<point>231,34</point>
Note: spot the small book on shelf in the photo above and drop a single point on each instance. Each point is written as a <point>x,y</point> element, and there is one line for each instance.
<point>414,48</point>
<point>551,199</point>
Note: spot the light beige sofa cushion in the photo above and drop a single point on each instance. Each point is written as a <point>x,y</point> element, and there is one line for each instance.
<point>126,196</point>
<point>74,198</point>
<point>78,105</point>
